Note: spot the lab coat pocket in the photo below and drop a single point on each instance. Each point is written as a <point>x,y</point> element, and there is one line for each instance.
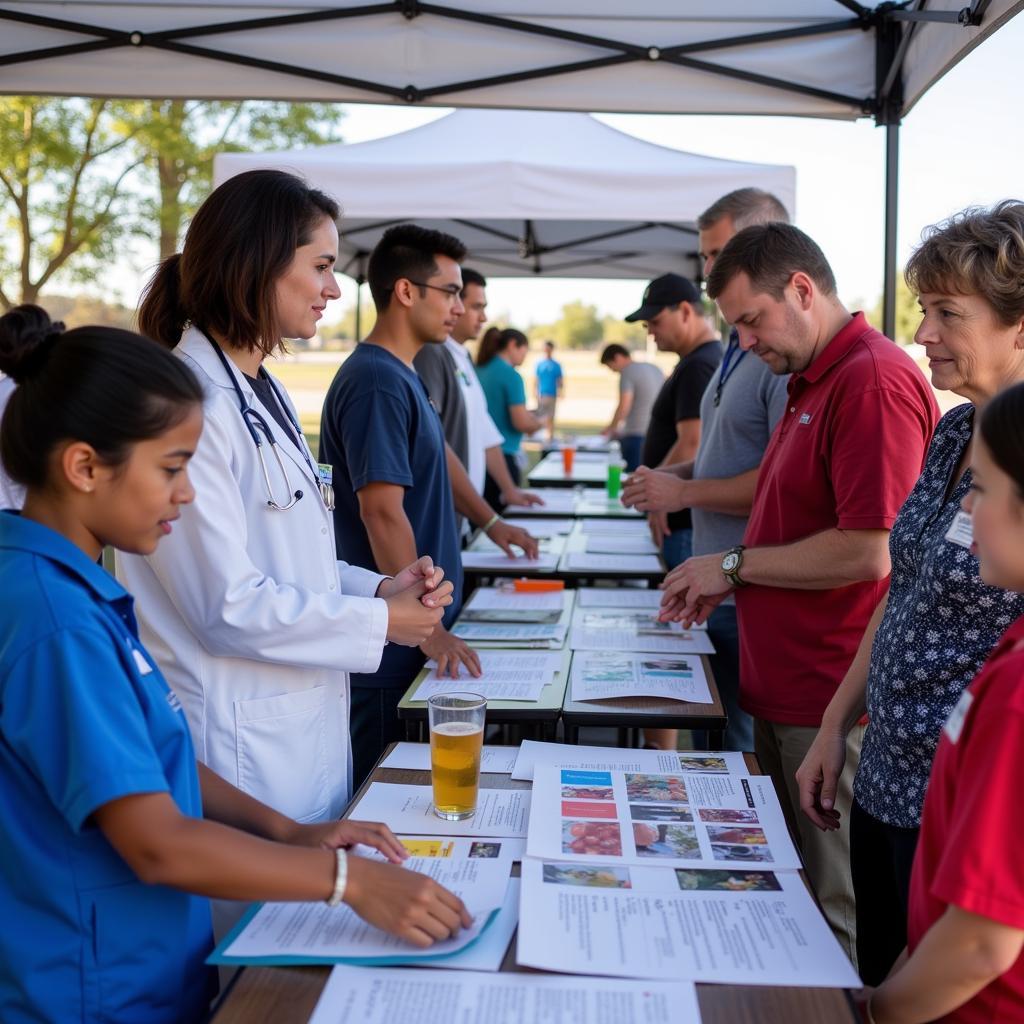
<point>282,746</point>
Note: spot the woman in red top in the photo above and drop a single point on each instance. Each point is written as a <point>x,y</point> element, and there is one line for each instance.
<point>963,960</point>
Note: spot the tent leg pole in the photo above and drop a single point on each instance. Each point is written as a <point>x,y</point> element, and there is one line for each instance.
<point>359,310</point>
<point>892,181</point>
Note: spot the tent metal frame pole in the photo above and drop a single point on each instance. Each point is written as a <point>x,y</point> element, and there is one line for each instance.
<point>892,190</point>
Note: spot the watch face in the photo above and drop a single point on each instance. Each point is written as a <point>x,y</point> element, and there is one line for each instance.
<point>730,562</point>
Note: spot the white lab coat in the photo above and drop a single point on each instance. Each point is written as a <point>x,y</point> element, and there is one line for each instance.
<point>252,618</point>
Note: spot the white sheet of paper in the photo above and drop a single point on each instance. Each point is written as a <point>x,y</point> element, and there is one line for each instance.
<point>634,630</point>
<point>502,813</point>
<point>556,499</point>
<point>618,597</point>
<point>394,995</point>
<point>683,821</point>
<point>512,634</point>
<point>582,561</point>
<point>691,924</point>
<point>508,850</point>
<point>496,599</point>
<point>674,762</point>
<point>507,675</point>
<point>617,527</point>
<point>318,931</point>
<point>499,760</point>
<point>601,675</point>
<point>543,527</point>
<point>547,562</point>
<point>619,544</point>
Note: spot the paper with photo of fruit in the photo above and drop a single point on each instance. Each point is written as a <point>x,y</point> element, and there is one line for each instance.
<point>740,925</point>
<point>675,820</point>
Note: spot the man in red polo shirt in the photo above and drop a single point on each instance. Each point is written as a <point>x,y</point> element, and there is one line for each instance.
<point>815,559</point>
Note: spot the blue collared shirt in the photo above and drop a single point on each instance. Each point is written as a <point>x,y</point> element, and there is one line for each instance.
<point>85,718</point>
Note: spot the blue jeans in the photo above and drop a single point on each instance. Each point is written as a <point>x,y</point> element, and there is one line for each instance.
<point>677,547</point>
<point>725,663</point>
<point>632,448</point>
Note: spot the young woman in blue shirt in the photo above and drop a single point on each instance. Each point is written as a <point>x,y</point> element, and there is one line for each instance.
<point>113,835</point>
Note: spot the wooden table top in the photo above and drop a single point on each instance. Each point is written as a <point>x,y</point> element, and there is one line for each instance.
<point>287,995</point>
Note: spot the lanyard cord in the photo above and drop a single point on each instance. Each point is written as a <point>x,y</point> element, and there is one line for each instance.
<point>728,364</point>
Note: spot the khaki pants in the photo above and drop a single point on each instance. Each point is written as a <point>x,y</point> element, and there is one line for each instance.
<point>826,855</point>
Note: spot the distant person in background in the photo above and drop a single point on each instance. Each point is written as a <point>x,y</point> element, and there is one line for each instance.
<point>639,384</point>
<point>12,495</point>
<point>548,385</point>
<point>738,413</point>
<point>673,313</point>
<point>453,386</point>
<point>499,354</point>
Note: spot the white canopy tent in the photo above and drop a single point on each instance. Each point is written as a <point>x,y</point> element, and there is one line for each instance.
<point>537,192</point>
<point>818,58</point>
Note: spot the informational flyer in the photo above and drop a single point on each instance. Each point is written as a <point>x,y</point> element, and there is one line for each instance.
<point>499,760</point>
<point>624,759</point>
<point>397,995</point>
<point>618,527</point>
<point>542,527</point>
<point>603,675</point>
<point>497,604</point>
<point>582,561</point>
<point>745,925</point>
<point>546,562</point>
<point>604,629</point>
<point>507,634</point>
<point>507,675</point>
<point>501,813</point>
<point>557,500</point>
<point>620,544</point>
<point>691,821</point>
<point>286,933</point>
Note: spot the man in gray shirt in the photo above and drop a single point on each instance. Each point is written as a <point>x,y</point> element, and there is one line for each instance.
<point>743,402</point>
<point>639,384</point>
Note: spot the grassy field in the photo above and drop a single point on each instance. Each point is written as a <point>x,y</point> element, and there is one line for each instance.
<point>591,391</point>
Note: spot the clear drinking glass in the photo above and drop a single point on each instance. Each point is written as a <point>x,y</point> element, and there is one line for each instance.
<point>456,738</point>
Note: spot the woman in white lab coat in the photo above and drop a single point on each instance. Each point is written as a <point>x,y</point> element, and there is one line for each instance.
<point>253,620</point>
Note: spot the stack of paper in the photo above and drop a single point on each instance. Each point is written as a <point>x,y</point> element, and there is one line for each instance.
<point>394,996</point>
<point>561,500</point>
<point>619,597</point>
<point>507,675</point>
<point>483,553</point>
<point>582,561</point>
<point>634,630</point>
<point>543,527</point>
<point>496,604</point>
<point>620,544</point>
<point>601,676</point>
<point>620,527</point>
<point>498,760</point>
<point>291,933</point>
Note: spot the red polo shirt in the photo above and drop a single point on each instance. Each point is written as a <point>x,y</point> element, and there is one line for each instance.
<point>848,449</point>
<point>968,854</point>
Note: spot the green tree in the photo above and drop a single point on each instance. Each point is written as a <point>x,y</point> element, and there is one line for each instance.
<point>63,168</point>
<point>908,314</point>
<point>615,330</point>
<point>578,327</point>
<point>80,176</point>
<point>178,140</point>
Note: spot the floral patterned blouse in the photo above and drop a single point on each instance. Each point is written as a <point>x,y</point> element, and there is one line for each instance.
<point>940,623</point>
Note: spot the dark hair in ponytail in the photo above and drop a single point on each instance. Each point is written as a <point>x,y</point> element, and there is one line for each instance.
<point>495,342</point>
<point>1002,430</point>
<point>101,385</point>
<point>241,240</point>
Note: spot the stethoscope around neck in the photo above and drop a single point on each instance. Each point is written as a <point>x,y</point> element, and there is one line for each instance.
<point>256,423</point>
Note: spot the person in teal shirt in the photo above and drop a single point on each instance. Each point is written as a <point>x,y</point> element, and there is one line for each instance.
<point>112,838</point>
<point>499,354</point>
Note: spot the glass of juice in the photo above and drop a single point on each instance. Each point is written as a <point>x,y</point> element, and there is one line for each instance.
<point>456,738</point>
<point>568,457</point>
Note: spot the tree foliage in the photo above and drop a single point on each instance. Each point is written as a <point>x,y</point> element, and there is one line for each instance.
<point>81,177</point>
<point>908,313</point>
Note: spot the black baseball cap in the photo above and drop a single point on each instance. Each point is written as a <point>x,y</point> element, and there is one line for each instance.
<point>667,290</point>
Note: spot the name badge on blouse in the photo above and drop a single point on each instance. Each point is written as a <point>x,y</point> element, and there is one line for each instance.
<point>955,723</point>
<point>141,664</point>
<point>962,530</point>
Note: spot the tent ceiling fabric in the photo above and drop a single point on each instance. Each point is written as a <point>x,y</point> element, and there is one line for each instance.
<point>789,57</point>
<point>528,191</point>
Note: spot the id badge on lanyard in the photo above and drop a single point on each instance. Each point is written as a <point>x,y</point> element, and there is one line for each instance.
<point>325,480</point>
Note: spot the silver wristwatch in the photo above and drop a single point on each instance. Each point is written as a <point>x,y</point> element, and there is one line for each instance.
<point>731,563</point>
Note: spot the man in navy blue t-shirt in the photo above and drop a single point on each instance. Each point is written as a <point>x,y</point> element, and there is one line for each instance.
<point>393,474</point>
